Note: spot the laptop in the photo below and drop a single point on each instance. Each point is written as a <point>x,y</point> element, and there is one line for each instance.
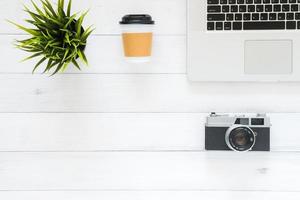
<point>243,40</point>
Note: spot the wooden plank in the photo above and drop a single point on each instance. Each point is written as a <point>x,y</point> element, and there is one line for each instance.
<point>150,171</point>
<point>141,93</point>
<point>170,15</point>
<point>134,132</point>
<point>94,132</point>
<point>130,195</point>
<point>103,61</point>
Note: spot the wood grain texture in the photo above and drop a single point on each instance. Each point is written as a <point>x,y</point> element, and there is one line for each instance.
<point>146,195</point>
<point>170,15</point>
<point>97,131</point>
<point>105,55</point>
<point>123,132</point>
<point>141,93</point>
<point>150,171</point>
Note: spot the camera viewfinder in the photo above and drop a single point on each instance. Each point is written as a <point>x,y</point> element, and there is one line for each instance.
<point>242,121</point>
<point>257,122</point>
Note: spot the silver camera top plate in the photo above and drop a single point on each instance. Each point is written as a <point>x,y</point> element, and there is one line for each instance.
<point>258,120</point>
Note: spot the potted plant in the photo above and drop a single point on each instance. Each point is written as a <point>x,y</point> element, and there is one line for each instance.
<point>57,36</point>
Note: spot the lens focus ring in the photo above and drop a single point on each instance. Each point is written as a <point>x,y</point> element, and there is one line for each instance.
<point>240,138</point>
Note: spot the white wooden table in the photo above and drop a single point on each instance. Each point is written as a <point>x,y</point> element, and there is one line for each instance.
<point>121,131</point>
<point>150,175</point>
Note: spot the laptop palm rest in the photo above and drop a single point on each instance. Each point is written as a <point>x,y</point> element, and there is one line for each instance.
<point>268,57</point>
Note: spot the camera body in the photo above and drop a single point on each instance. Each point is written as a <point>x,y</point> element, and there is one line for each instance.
<point>237,133</point>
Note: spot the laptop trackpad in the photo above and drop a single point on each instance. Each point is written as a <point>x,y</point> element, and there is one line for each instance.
<point>269,57</point>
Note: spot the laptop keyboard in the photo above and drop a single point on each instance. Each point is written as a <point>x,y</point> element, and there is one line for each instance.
<point>253,15</point>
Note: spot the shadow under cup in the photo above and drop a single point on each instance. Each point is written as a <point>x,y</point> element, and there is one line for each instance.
<point>137,34</point>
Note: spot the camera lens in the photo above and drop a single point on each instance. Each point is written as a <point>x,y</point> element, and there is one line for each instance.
<point>240,138</point>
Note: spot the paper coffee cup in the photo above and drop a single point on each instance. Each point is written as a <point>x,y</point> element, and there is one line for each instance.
<point>137,34</point>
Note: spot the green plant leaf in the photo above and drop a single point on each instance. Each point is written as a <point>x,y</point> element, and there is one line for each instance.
<point>56,21</point>
<point>48,5</point>
<point>79,23</point>
<point>72,55</point>
<point>50,65</point>
<point>60,9</point>
<point>82,56</point>
<point>37,9</point>
<point>76,64</point>
<point>59,67</point>
<point>33,56</point>
<point>87,33</point>
<point>65,55</point>
<point>38,64</point>
<point>69,8</point>
<point>35,17</point>
<point>65,67</point>
<point>55,35</point>
<point>30,31</point>
<point>61,4</point>
<point>70,21</point>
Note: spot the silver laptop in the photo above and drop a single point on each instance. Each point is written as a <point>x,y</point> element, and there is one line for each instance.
<point>244,40</point>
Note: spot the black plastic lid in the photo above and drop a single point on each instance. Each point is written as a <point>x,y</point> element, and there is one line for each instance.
<point>137,19</point>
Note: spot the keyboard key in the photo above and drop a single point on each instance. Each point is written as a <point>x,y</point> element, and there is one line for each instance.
<point>234,8</point>
<point>278,25</point>
<point>213,9</point>
<point>240,1</point>
<point>290,16</point>
<point>263,16</point>
<point>238,17</point>
<point>251,8</point>
<point>223,1</point>
<point>259,8</point>
<point>225,9</point>
<point>257,1</point>
<point>291,25</point>
<point>237,25</point>
<point>285,8</point>
<point>242,8</point>
<point>247,17</point>
<point>297,16</point>
<point>249,1</point>
<point>267,1</point>
<point>255,16</point>
<point>219,26</point>
<point>232,1</point>
<point>294,8</point>
<point>211,26</point>
<point>281,16</point>
<point>268,8</point>
<point>227,26</point>
<point>298,25</point>
<point>277,8</point>
<point>229,17</point>
<point>212,1</point>
<point>272,16</point>
<point>216,17</point>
